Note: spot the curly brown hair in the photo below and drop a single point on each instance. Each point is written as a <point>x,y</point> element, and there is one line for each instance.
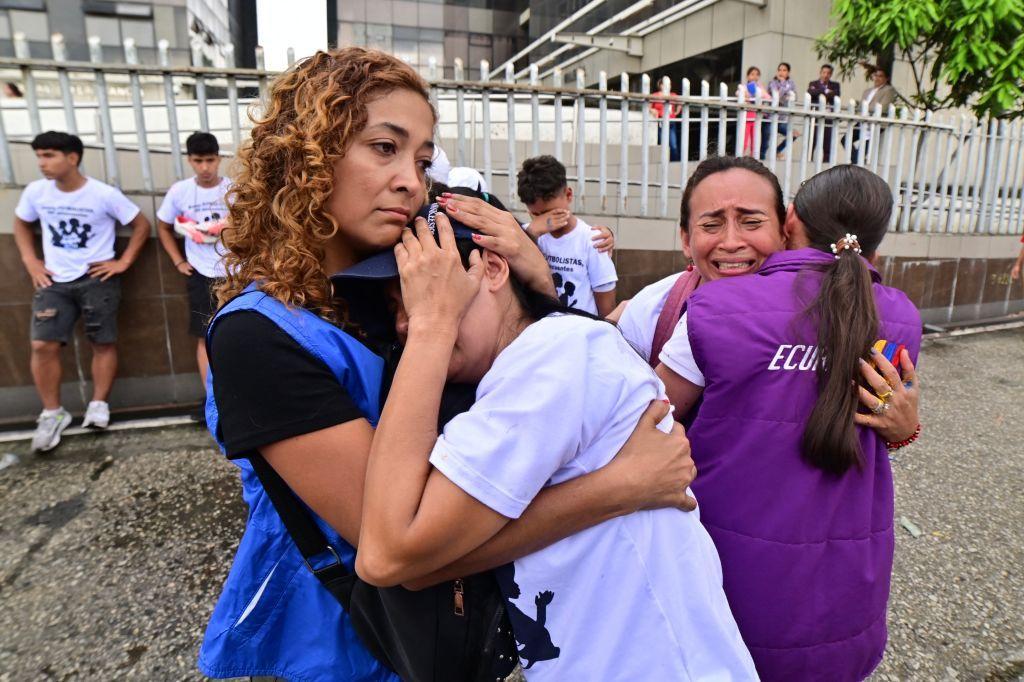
<point>278,220</point>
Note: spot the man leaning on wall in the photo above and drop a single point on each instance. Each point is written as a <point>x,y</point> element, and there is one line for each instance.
<point>78,275</point>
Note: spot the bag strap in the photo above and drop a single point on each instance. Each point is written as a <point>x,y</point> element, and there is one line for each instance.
<point>307,536</point>
<point>673,310</point>
<point>297,520</point>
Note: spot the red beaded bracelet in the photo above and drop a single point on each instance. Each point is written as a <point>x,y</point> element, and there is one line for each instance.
<point>896,445</point>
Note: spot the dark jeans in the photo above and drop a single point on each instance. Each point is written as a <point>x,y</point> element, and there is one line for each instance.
<point>858,147</point>
<point>766,133</point>
<point>826,143</point>
<point>201,303</point>
<point>675,129</point>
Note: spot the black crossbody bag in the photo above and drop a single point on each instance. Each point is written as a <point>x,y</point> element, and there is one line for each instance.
<point>457,631</point>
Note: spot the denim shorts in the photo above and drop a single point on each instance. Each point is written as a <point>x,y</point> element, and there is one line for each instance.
<point>56,309</point>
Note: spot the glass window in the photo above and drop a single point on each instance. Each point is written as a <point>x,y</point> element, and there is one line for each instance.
<point>346,34</point>
<point>106,28</point>
<point>405,33</point>
<point>5,26</point>
<point>407,51</point>
<point>435,50</point>
<point>139,29</point>
<point>431,35</point>
<point>39,5</point>
<point>378,36</point>
<point>359,35</point>
<point>456,45</point>
<point>33,24</point>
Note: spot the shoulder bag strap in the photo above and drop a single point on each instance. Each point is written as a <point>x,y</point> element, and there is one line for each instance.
<point>673,310</point>
<point>300,525</point>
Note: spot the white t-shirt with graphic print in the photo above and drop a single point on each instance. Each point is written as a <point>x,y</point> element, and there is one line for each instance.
<point>78,227</point>
<point>638,597</point>
<point>577,267</point>
<point>639,320</point>
<point>201,204</point>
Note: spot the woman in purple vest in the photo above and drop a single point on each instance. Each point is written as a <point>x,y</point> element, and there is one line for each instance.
<point>731,219</point>
<point>797,496</point>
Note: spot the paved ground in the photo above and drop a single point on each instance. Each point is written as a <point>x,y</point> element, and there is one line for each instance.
<point>113,549</point>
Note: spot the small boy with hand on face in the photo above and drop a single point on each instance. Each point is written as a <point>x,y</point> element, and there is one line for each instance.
<point>584,277</point>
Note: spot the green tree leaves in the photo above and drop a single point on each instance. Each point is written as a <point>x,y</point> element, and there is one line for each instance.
<point>961,52</point>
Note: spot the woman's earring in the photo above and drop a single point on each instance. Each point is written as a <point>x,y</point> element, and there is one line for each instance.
<point>689,268</point>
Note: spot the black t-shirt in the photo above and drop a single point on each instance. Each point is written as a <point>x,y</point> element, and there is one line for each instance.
<point>268,387</point>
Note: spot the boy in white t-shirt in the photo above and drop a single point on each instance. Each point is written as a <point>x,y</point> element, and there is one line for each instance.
<point>78,275</point>
<point>584,277</point>
<point>197,209</point>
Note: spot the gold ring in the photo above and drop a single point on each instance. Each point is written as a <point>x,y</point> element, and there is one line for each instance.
<point>885,396</point>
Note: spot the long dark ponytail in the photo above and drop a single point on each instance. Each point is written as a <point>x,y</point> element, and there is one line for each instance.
<point>842,200</point>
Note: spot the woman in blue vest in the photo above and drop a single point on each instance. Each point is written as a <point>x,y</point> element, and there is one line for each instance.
<point>334,172</point>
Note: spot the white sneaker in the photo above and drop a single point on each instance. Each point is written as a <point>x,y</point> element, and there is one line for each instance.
<point>97,415</point>
<point>51,424</point>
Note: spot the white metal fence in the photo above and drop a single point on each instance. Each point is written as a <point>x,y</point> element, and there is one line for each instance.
<point>948,172</point>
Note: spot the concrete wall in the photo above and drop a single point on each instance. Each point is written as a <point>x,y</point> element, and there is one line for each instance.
<point>949,277</point>
<point>157,356</point>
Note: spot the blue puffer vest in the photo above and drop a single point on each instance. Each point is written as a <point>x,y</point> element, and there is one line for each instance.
<point>273,617</point>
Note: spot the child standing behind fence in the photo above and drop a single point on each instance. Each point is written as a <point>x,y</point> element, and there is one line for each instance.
<point>584,277</point>
<point>196,208</point>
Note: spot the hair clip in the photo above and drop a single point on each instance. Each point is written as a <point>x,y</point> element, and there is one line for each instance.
<point>848,242</point>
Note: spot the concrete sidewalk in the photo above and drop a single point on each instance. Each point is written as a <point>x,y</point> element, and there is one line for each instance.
<point>113,549</point>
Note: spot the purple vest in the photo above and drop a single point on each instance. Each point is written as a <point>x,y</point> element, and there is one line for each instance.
<point>806,555</point>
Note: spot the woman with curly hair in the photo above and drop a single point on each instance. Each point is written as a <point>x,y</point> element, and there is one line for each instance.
<point>334,172</point>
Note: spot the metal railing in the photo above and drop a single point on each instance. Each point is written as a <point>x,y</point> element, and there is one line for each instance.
<point>948,172</point>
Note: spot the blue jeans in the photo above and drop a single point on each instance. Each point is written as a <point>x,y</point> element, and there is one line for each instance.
<point>783,136</point>
<point>674,133</point>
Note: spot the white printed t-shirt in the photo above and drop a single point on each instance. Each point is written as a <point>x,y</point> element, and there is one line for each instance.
<point>639,320</point>
<point>200,204</point>
<point>78,227</point>
<point>577,267</point>
<point>638,597</point>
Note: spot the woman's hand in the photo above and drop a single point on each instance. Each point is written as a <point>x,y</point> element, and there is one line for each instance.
<point>654,468</point>
<point>436,288</point>
<point>603,238</point>
<point>502,234</point>
<point>900,419</point>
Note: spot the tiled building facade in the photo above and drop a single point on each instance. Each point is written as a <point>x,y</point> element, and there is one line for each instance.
<point>206,25</point>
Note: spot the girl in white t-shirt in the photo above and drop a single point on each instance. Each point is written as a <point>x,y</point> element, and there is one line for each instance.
<point>639,597</point>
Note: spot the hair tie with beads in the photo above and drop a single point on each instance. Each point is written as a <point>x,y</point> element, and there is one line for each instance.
<point>847,242</point>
